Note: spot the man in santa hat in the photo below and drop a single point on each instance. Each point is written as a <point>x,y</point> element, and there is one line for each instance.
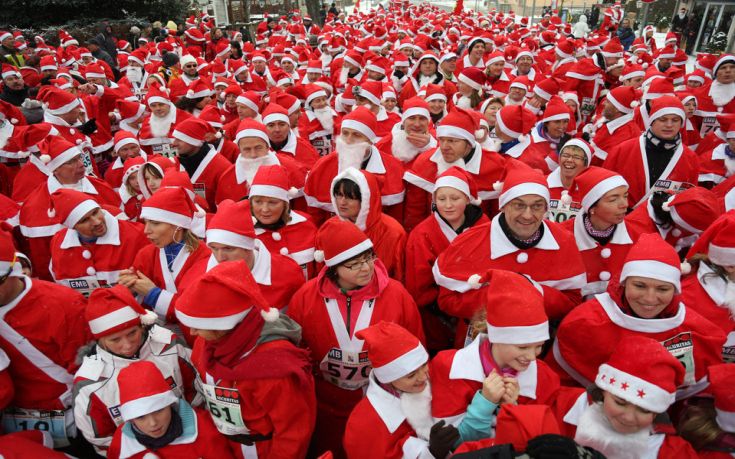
<point>283,140</point>
<point>617,124</point>
<point>369,94</point>
<point>718,97</point>
<point>43,327</point>
<point>345,68</point>
<point>155,134</point>
<point>718,163</point>
<point>399,390</point>
<point>189,74</point>
<point>411,137</point>
<point>354,148</point>
<point>63,161</point>
<point>319,119</point>
<point>424,72</point>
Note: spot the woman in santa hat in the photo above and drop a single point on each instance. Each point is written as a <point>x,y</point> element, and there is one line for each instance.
<point>455,210</point>
<point>350,293</point>
<point>257,383</point>
<point>156,422</point>
<point>151,172</point>
<point>356,198</point>
<point>708,423</point>
<point>175,258</point>
<point>94,246</point>
<point>599,230</point>
<point>469,93</point>
<point>124,333</point>
<point>710,289</point>
<point>397,407</point>
<point>280,228</point>
<point>574,158</point>
<point>549,133</point>
<point>499,366</point>
<point>631,388</point>
<point>646,301</point>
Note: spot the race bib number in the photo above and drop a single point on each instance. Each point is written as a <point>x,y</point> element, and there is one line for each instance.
<point>223,404</point>
<point>670,186</point>
<point>323,145</point>
<point>709,123</point>
<point>54,422</point>
<point>164,149</point>
<point>201,190</point>
<point>83,285</point>
<point>87,161</point>
<point>681,346</point>
<point>728,349</point>
<point>560,212</point>
<point>347,370</point>
<point>588,106</point>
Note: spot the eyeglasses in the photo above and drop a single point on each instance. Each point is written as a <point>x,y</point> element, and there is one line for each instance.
<point>520,206</point>
<point>5,276</point>
<point>570,156</point>
<point>357,265</point>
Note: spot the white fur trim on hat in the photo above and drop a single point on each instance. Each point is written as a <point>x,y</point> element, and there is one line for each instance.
<point>212,323</point>
<point>65,156</point>
<point>456,132</point>
<point>146,405</point>
<point>633,389</point>
<point>79,212</point>
<point>620,107</point>
<point>503,127</point>
<point>349,253</point>
<point>251,133</point>
<point>599,190</point>
<point>518,335</point>
<point>125,141</point>
<point>270,191</point>
<point>654,270</point>
<point>186,138</point>
<point>403,365</point>
<point>523,189</point>
<point>273,117</point>
<point>721,256</point>
<point>359,127</point>
<point>469,82</point>
<point>165,216</point>
<point>453,182</point>
<point>112,319</point>
<point>230,238</point>
<point>413,111</point>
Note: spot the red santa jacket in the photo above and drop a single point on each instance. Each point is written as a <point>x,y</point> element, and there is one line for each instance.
<point>714,165</point>
<point>7,391</point>
<point>227,148</point>
<point>187,267</point>
<point>207,176</point>
<point>338,359</point>
<point>233,182</point>
<point>629,160</point>
<point>711,141</point>
<point>583,340</point>
<point>300,150</point>
<point>29,443</point>
<point>554,263</point>
<point>486,167</point>
<point>708,108</point>
<point>319,136</point>
<point>642,220</point>
<point>200,438</point>
<point>294,240</point>
<point>41,331</point>
<point>457,375</point>
<point>161,145</point>
<point>611,134</point>
<point>101,261</point>
<point>27,179</point>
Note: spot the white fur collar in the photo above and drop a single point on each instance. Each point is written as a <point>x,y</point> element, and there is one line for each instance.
<point>595,431</point>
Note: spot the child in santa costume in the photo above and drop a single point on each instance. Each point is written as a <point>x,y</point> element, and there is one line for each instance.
<point>157,423</point>
<point>155,134</point>
<point>350,293</point>
<point>129,191</point>
<point>708,423</point>
<point>657,160</point>
<point>600,231</point>
<point>644,301</point>
<point>174,259</point>
<point>396,410</point>
<point>281,228</point>
<point>710,289</point>
<point>518,240</point>
<point>41,328</point>
<point>456,209</point>
<point>356,198</point>
<point>231,237</point>
<point>637,382</point>
<point>124,333</point>
<point>94,246</point>
<point>499,366</point>
<point>256,382</point>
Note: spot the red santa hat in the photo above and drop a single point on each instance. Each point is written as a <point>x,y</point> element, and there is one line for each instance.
<point>520,180</point>
<point>433,92</point>
<point>197,89</point>
<point>94,70</point>
<point>339,240</point>
<point>292,104</point>
<point>193,131</point>
<point>56,151</point>
<point>222,298</point>
<point>70,206</point>
<point>131,167</point>
<point>667,52</point>
<point>458,124</point>
<point>250,99</point>
<point>143,390</point>
<point>654,258</point>
<point>274,112</point>
<point>232,225</point>
<point>666,105</point>
<point>361,120</point>
<point>473,77</point>
<point>212,116</point>
<point>547,88</point>
<point>624,98</point>
<point>170,205</point>
<point>272,181</point>
<point>48,63</point>
<point>129,110</point>
<point>157,94</point>
<point>9,70</point>
<point>460,180</point>
<point>555,110</point>
<point>693,210</point>
<point>632,71</point>
<point>727,125</point>
<point>393,351</point>
<point>718,241</point>
<point>9,263</point>
<point>642,372</point>
<point>565,49</point>
<point>515,121</point>
<point>123,138</point>
<point>311,92</point>
<point>592,184</point>
<point>110,310</point>
<point>370,90</point>
<point>583,145</point>
<point>514,308</point>
<point>720,379</point>
<point>518,424</point>
<point>415,106</point>
<point>57,101</point>
<point>248,127</point>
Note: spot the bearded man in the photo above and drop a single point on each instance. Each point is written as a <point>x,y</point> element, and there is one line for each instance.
<point>411,136</point>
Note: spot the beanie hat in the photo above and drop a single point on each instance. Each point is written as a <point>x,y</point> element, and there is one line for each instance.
<point>56,151</point>
<point>339,240</point>
<point>624,98</point>
<point>123,138</point>
<point>222,298</point>
<point>393,351</point>
<point>110,310</point>
<point>170,205</point>
<point>642,372</point>
<point>514,308</point>
<point>459,179</point>
<point>515,121</point>
<point>693,209</point>
<point>70,206</point>
<point>361,120</point>
<point>724,59</point>
<point>718,241</point>
<point>520,180</point>
<point>592,184</point>
<point>193,131</point>
<point>232,225</point>
<point>458,124</point>
<point>248,127</point>
<point>143,390</point>
<point>666,105</point>
<point>654,258</point>
<point>720,385</point>
<point>272,181</point>
<point>9,263</point>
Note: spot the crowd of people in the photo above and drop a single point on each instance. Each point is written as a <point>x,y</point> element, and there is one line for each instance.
<point>432,234</point>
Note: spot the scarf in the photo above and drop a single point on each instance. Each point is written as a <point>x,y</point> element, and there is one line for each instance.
<point>489,364</point>
<point>15,96</point>
<point>504,147</point>
<point>522,244</point>
<point>192,162</point>
<point>658,154</point>
<point>601,236</point>
<point>233,358</point>
<point>174,431</point>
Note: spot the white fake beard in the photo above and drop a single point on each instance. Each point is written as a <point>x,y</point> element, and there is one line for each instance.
<point>464,102</point>
<point>134,74</point>
<point>350,155</point>
<point>343,74</point>
<point>402,148</point>
<point>729,166</point>
<point>325,117</point>
<point>251,165</point>
<point>721,94</point>
<point>417,409</point>
<point>595,431</point>
<point>161,126</point>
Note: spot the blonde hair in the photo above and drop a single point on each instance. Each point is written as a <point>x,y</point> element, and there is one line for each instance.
<point>698,425</point>
<point>190,241</point>
<point>478,323</point>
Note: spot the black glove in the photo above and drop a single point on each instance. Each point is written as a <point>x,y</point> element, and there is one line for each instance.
<point>552,446</point>
<point>89,127</point>
<point>442,439</point>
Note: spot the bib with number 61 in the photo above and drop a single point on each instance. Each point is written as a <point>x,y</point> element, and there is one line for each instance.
<point>223,404</point>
